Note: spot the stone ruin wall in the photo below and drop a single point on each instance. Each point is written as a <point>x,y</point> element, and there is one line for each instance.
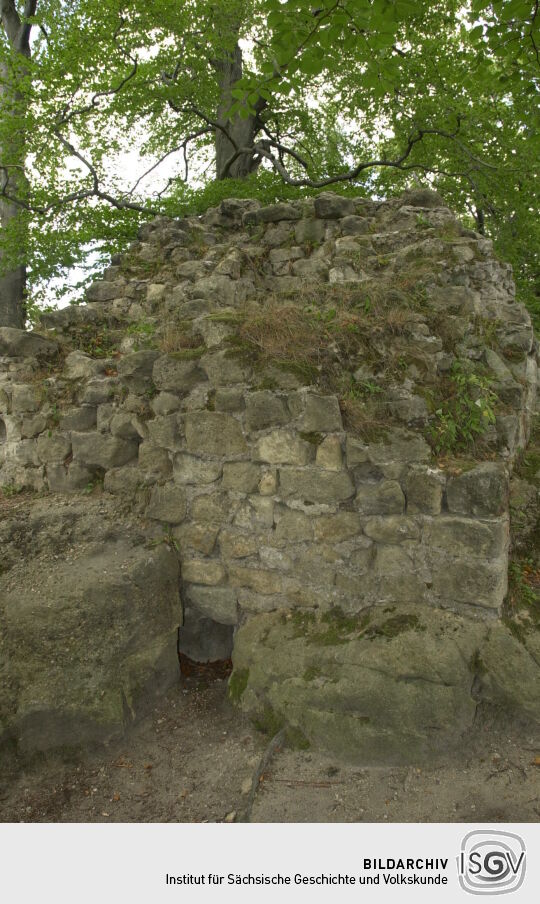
<point>272,502</point>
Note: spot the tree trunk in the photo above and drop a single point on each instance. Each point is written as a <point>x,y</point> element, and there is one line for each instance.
<point>242,131</point>
<point>480,221</point>
<point>13,70</point>
<point>12,279</point>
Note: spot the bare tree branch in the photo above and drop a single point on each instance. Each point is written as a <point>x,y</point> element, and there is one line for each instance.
<point>349,175</point>
<point>181,147</point>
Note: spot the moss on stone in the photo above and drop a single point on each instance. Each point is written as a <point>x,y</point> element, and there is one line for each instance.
<point>296,739</point>
<point>188,354</point>
<point>311,673</point>
<point>237,684</point>
<point>304,371</point>
<point>225,317</point>
<point>301,620</point>
<point>476,664</point>
<point>517,629</point>
<point>337,628</point>
<point>268,721</point>
<point>315,439</point>
<point>394,626</point>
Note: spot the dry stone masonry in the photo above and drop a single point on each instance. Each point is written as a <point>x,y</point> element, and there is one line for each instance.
<point>259,388</point>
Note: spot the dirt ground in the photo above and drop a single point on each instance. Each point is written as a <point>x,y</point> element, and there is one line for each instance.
<point>194,758</point>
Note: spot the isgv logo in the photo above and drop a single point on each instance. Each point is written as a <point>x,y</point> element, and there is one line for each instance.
<point>491,862</point>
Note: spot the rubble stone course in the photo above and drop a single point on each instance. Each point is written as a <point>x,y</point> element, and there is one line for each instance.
<point>274,502</point>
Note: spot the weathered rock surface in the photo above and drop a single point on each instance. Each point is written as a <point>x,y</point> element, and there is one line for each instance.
<point>391,685</point>
<point>89,627</point>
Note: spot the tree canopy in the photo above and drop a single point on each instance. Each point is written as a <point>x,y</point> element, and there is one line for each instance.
<point>262,98</point>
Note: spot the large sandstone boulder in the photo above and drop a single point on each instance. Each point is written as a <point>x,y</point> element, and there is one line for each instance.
<point>394,684</point>
<point>88,635</point>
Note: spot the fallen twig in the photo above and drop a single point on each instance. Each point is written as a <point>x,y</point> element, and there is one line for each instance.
<point>273,746</point>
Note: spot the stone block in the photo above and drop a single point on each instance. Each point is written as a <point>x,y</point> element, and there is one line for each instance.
<point>97,450</point>
<point>339,527</point>
<point>237,545</point>
<point>265,582</point>
<point>293,527</point>
<point>398,578</point>
<point>256,512</point>
<point>135,369</point>
<point>123,481</point>
<point>101,291</point>
<point>78,366</point>
<point>356,451</point>
<point>274,213</point>
<point>471,581</point>
<point>24,397</point>
<point>192,270</point>
<point>399,444</point>
<point>309,231</point>
<point>20,344</point>
<point>229,399</point>
<point>329,206</point>
<point>265,409</point>
<point>241,476</point>
<point>189,469</point>
<point>176,374</point>
<point>213,508</point>
<point>164,432</point>
<point>268,483</point>
<point>222,368</point>
<point>79,419</point>
<point>278,234</point>
<point>230,265</point>
<point>25,453</point>
<point>272,557</point>
<point>216,603</point>
<point>283,447</point>
<point>316,486</point>
<point>317,413</point>
<point>154,460</point>
<point>355,225</point>
<point>98,391</point>
<point>167,503</point>
<point>53,446</point>
<point>344,274</point>
<point>311,269</point>
<point>165,403</point>
<point>329,454</point>
<point>214,332</point>
<point>424,491</point>
<point>126,425</point>
<point>33,424</point>
<point>203,571</point>
<point>383,498</point>
<point>214,433</point>
<point>104,416</point>
<point>215,289</point>
<point>392,529</point>
<point>479,493</point>
<point>72,479</point>
<point>466,537</point>
<point>198,537</point>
